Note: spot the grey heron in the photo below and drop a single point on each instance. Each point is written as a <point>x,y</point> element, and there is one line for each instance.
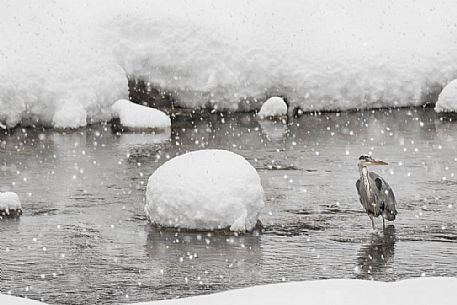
<point>375,194</point>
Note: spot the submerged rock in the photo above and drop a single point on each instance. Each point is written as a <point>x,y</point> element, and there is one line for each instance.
<point>205,190</point>
<point>10,205</point>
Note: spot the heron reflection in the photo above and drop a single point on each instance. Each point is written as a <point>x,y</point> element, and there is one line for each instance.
<point>375,259</point>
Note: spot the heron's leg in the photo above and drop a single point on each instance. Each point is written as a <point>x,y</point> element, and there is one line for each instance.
<point>383,224</point>
<point>372,222</point>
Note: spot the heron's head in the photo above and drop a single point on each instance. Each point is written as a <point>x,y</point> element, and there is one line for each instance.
<point>365,160</point>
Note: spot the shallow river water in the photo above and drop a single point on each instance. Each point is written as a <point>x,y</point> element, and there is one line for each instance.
<point>84,239</point>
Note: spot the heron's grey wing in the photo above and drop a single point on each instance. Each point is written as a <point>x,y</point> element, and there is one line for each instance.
<point>363,197</point>
<point>385,195</point>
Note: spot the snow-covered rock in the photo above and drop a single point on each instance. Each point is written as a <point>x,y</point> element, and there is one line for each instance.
<point>419,291</point>
<point>134,116</point>
<point>447,100</point>
<point>10,205</point>
<point>274,107</point>
<point>205,190</point>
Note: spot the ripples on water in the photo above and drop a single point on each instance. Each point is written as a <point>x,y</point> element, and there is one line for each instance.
<point>84,239</point>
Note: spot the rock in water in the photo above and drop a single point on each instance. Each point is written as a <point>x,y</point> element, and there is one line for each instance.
<point>274,107</point>
<point>205,190</point>
<point>10,205</point>
<point>447,100</point>
<point>133,116</point>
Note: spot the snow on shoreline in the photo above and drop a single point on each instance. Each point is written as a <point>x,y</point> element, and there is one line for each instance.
<point>205,190</point>
<point>422,291</point>
<point>343,55</point>
<point>417,291</point>
<point>12,300</point>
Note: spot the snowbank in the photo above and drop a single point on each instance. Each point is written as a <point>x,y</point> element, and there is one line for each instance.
<point>69,115</point>
<point>321,56</point>
<point>420,291</point>
<point>10,205</point>
<point>11,300</point>
<point>274,107</point>
<point>205,190</point>
<point>134,116</point>
<point>447,100</point>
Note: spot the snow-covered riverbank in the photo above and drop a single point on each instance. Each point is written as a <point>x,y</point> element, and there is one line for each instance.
<point>58,57</point>
<point>419,291</point>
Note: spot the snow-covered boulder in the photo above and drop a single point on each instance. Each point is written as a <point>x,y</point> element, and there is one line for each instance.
<point>134,116</point>
<point>274,107</point>
<point>447,100</point>
<point>205,190</point>
<point>10,205</point>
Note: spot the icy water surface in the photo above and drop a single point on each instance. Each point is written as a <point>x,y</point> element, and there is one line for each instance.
<point>84,239</point>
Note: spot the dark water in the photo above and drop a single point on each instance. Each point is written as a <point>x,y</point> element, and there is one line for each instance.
<point>84,239</point>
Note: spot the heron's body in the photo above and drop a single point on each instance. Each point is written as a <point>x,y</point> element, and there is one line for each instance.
<point>375,194</point>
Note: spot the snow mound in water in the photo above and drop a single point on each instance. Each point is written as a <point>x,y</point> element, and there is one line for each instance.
<point>205,190</point>
<point>10,205</point>
<point>273,107</point>
<point>223,54</point>
<point>134,116</point>
<point>447,100</point>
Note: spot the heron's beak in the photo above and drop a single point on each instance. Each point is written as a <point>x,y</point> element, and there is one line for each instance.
<point>378,162</point>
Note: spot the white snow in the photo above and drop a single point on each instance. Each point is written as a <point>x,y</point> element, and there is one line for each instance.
<point>70,114</point>
<point>447,100</point>
<point>205,190</point>
<point>136,116</point>
<point>9,201</point>
<point>12,300</point>
<point>274,107</point>
<point>320,55</point>
<point>419,291</point>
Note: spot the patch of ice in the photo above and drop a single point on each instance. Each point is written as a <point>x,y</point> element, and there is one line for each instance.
<point>274,107</point>
<point>447,100</point>
<point>419,291</point>
<point>134,116</point>
<point>205,190</point>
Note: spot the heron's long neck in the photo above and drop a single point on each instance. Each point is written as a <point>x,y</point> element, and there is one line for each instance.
<point>364,175</point>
